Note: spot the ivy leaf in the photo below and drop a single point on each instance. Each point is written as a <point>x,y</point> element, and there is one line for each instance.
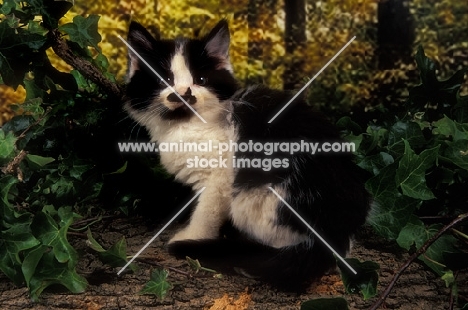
<point>325,303</point>
<point>449,128</point>
<point>412,234</point>
<point>426,67</point>
<point>18,124</point>
<point>357,140</point>
<point>7,6</point>
<point>416,233</point>
<point>377,162</point>
<point>50,10</point>
<point>60,185</point>
<point>121,170</point>
<point>115,256</point>
<point>54,261</point>
<point>49,271</point>
<point>7,145</point>
<point>19,238</point>
<point>31,261</point>
<point>378,137</point>
<point>17,44</point>
<point>15,233</point>
<point>404,131</point>
<point>83,83</point>
<point>78,169</point>
<point>364,282</point>
<point>8,75</point>
<point>411,172</point>
<point>37,162</point>
<point>83,31</point>
<point>449,278</point>
<point>32,107</point>
<point>6,212</point>
<point>46,229</point>
<point>158,284</point>
<point>36,28</point>
<point>10,266</point>
<point>392,209</point>
<point>457,153</point>
<point>92,243</point>
<point>32,90</point>
<point>13,241</point>
<point>348,124</point>
<point>194,264</point>
<point>443,94</point>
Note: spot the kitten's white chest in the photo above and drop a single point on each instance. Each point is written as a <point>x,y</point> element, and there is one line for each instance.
<point>195,158</point>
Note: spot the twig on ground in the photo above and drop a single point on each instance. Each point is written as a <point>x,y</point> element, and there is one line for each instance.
<point>153,263</point>
<point>413,257</point>
<point>89,221</point>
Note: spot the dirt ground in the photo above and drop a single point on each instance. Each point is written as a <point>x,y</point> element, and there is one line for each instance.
<point>416,289</point>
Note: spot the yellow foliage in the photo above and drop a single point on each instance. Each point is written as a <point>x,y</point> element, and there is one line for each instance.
<point>9,96</point>
<point>330,24</point>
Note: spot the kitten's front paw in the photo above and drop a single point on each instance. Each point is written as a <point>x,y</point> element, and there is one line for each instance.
<point>192,234</point>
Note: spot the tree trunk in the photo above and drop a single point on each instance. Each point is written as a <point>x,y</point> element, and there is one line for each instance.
<point>395,33</point>
<point>294,38</point>
<point>254,45</point>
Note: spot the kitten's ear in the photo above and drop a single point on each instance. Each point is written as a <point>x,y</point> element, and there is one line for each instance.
<point>142,42</point>
<point>218,40</point>
<point>139,38</point>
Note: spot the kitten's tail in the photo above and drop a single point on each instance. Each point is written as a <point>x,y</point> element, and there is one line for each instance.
<point>289,268</point>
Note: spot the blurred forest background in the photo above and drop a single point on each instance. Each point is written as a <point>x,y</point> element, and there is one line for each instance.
<point>284,43</point>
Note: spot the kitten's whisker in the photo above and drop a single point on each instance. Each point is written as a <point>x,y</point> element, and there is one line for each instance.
<point>123,119</point>
<point>133,128</point>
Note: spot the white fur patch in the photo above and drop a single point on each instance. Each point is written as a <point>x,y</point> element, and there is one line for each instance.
<point>254,211</point>
<point>212,209</point>
<point>133,67</point>
<point>182,77</point>
<point>213,205</point>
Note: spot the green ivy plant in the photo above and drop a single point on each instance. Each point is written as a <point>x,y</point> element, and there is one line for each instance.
<point>418,170</point>
<point>44,182</point>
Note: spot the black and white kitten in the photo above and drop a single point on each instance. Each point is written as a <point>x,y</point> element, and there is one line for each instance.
<point>269,241</point>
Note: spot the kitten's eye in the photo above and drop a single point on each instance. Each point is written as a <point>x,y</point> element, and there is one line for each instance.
<point>168,80</point>
<point>201,80</point>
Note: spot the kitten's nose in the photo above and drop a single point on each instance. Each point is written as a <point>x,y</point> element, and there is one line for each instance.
<point>187,97</point>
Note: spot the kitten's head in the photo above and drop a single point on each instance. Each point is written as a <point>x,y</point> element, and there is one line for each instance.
<point>198,70</point>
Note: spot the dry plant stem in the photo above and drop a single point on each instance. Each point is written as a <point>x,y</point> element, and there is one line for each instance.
<point>77,234</point>
<point>86,68</point>
<point>452,300</point>
<point>413,257</point>
<point>23,134</point>
<point>153,263</point>
<point>13,166</point>
<point>90,221</point>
